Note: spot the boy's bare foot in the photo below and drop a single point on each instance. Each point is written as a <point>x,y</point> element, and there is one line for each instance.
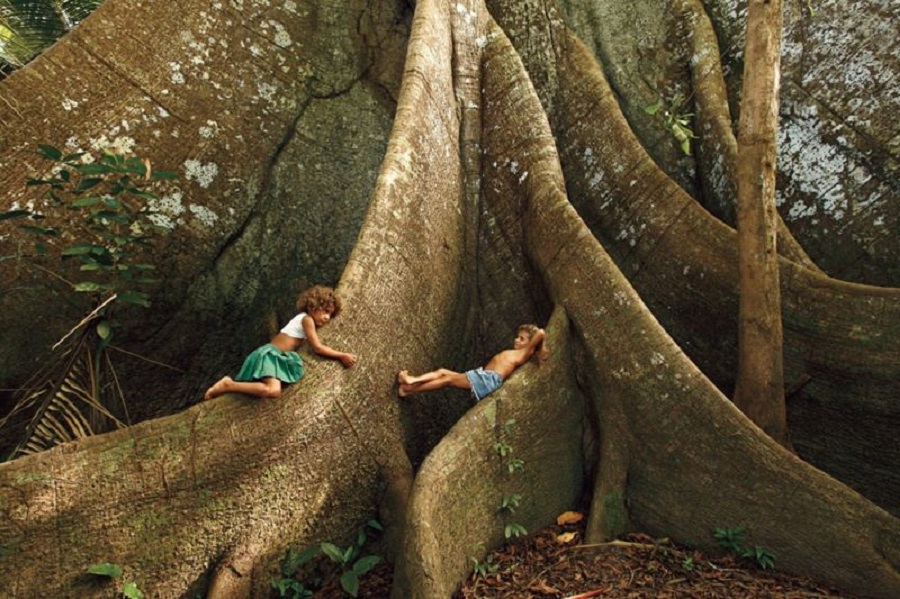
<point>219,388</point>
<point>403,378</point>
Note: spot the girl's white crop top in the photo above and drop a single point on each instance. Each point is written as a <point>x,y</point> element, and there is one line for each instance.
<point>295,327</point>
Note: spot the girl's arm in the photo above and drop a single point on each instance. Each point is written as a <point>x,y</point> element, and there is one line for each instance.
<point>312,336</point>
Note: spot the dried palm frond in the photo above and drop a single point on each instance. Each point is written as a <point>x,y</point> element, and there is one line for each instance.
<point>67,397</point>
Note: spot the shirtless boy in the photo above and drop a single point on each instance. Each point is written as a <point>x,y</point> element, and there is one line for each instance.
<point>481,381</point>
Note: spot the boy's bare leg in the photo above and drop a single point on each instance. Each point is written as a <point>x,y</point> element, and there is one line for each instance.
<point>431,381</point>
<point>403,377</point>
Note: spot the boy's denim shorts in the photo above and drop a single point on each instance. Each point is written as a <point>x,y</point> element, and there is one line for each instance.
<point>484,382</point>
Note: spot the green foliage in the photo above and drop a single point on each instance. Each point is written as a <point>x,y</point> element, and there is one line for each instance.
<point>127,588</point>
<point>514,530</point>
<point>486,568</point>
<point>688,564</point>
<point>98,212</point>
<point>106,569</point>
<point>510,503</point>
<point>515,465</point>
<point>95,212</point>
<point>502,449</point>
<point>732,540</point>
<point>675,120</point>
<point>763,557</point>
<point>287,585</point>
<point>351,564</point>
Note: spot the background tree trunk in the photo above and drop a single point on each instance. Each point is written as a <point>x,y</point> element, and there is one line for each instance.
<point>759,390</point>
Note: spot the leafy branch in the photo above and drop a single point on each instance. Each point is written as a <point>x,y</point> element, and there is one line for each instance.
<point>675,120</point>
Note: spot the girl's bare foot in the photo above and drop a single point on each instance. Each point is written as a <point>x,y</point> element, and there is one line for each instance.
<point>219,388</point>
<point>403,378</point>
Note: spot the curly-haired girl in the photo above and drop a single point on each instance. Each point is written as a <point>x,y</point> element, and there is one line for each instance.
<point>277,363</point>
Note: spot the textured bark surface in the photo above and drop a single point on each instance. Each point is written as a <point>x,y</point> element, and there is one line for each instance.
<point>468,231</point>
<point>838,153</point>
<point>264,111</point>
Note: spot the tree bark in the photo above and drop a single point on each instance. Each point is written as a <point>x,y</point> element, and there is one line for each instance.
<point>469,230</point>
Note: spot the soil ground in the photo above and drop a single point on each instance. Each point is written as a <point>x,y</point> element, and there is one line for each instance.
<point>554,564</point>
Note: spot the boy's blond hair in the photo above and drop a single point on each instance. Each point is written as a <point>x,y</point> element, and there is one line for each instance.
<point>531,329</point>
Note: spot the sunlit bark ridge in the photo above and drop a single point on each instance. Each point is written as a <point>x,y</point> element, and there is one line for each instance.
<point>470,231</point>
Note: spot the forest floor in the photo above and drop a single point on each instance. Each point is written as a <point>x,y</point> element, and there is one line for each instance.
<point>554,564</point>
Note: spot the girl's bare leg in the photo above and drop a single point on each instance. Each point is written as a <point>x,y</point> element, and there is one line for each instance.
<point>268,387</point>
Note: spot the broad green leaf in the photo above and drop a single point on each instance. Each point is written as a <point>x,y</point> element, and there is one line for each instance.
<point>78,249</point>
<point>39,230</point>
<point>131,590</point>
<point>111,215</point>
<point>106,569</point>
<point>89,266</point>
<point>294,560</point>
<point>50,152</point>
<point>168,175</point>
<point>82,202</point>
<point>134,297</point>
<point>350,583</point>
<point>87,183</point>
<point>333,552</point>
<point>14,214</point>
<point>94,169</point>
<point>144,194</point>
<point>103,329</point>
<point>86,286</point>
<point>72,157</point>
<point>375,524</point>
<point>364,564</point>
<point>653,108</point>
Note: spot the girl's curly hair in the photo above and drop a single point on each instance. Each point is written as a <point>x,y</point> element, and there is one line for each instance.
<point>320,297</point>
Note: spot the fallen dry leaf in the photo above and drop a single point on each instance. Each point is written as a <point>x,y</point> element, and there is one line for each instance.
<point>569,518</point>
<point>565,537</point>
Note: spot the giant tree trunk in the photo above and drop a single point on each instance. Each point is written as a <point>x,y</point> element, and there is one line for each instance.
<point>469,231</point>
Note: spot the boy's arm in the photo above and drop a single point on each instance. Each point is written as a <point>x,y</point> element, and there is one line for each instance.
<point>537,341</point>
<point>312,336</point>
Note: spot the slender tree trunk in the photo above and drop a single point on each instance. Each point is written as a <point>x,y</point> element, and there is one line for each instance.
<point>760,381</point>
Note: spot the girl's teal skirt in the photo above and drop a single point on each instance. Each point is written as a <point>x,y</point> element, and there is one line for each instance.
<point>269,361</point>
